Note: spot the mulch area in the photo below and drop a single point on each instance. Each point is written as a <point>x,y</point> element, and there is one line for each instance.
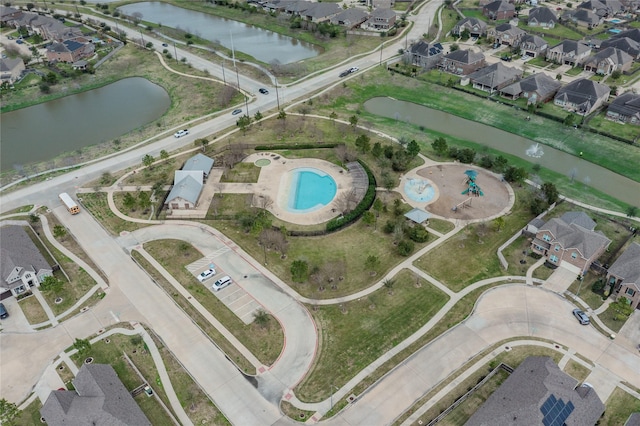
<point>450,181</point>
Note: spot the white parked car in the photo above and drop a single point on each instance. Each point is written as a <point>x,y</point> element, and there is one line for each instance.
<point>206,274</point>
<point>181,133</point>
<point>354,69</point>
<point>221,283</point>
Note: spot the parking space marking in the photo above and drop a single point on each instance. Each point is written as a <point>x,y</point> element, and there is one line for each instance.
<point>206,260</point>
<point>241,303</point>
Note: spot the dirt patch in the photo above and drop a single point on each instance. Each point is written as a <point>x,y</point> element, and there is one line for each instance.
<point>451,182</point>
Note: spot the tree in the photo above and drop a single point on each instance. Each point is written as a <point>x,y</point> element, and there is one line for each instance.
<point>51,283</point>
<point>129,201</point>
<point>537,206</point>
<point>515,174</point>
<point>258,116</point>
<point>364,143</point>
<point>632,211</point>
<point>30,6</point>
<point>261,318</point>
<point>353,120</point>
<point>333,117</point>
<point>405,247</point>
<point>616,74</point>
<point>147,160</point>
<point>378,206</point>
<point>201,142</point>
<point>376,151</point>
<point>388,284</point>
<point>244,122</point>
<point>550,192</point>
<point>498,223</point>
<point>144,200</point>
<point>440,146</point>
<point>570,119</point>
<point>500,163</point>
<point>8,412</point>
<point>299,271</point>
<point>368,218</point>
<point>106,178</point>
<point>283,116</point>
<point>34,218</point>
<point>372,262</point>
<point>454,47</point>
<point>413,148</point>
<point>59,231</point>
<point>83,346</point>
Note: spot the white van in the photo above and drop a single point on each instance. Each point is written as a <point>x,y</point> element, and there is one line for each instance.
<point>221,283</point>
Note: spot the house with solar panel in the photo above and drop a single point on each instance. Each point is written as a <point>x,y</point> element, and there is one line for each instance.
<point>624,276</point>
<point>426,55</point>
<point>539,393</point>
<point>69,51</point>
<point>188,183</point>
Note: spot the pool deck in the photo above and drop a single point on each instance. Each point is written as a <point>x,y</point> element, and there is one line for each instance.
<point>274,183</point>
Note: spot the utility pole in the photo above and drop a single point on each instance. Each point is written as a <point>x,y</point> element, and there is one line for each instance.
<point>142,37</point>
<point>381,44</point>
<point>224,79</point>
<point>277,95</point>
<point>175,51</point>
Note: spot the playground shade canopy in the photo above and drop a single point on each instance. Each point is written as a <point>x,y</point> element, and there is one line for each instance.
<point>417,215</point>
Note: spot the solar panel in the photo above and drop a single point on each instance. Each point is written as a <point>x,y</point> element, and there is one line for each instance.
<point>555,411</point>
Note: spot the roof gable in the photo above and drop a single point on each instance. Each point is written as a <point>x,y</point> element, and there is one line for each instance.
<point>186,188</point>
<point>199,162</point>
<point>18,251</point>
<point>627,266</point>
<point>542,14</point>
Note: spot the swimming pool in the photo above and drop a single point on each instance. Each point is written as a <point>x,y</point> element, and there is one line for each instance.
<point>310,190</point>
<point>615,21</point>
<point>615,31</point>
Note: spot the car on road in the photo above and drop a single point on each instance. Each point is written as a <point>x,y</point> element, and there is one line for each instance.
<point>263,91</point>
<point>581,317</point>
<point>165,45</point>
<point>206,275</point>
<point>354,69</point>
<point>19,41</point>
<point>3,311</point>
<point>221,283</point>
<point>236,111</point>
<point>181,133</point>
<point>345,73</point>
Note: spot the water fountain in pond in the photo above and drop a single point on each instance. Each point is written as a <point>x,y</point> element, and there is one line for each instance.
<point>535,151</point>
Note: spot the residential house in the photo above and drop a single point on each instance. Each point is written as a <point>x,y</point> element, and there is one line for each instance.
<point>21,264</point>
<point>380,20</point>
<point>499,9</point>
<point>538,392</point>
<point>506,34</point>
<point>69,51</point>
<point>381,4</point>
<point>350,18</point>
<point>9,14</point>
<point>624,276</point>
<point>188,183</point>
<point>625,44</point>
<point>583,17</point>
<point>297,8</point>
<point>570,242</point>
<point>536,88</point>
<point>321,12</point>
<point>568,52</point>
<point>604,8</point>
<point>11,70</point>
<point>494,77</point>
<point>608,60</point>
<point>542,17</point>
<point>476,27</point>
<point>633,34</point>
<point>625,108</point>
<point>462,62</point>
<point>533,46</point>
<point>99,398</point>
<point>582,96</point>
<point>426,55</point>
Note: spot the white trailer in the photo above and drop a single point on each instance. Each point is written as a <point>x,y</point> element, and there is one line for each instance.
<point>71,205</point>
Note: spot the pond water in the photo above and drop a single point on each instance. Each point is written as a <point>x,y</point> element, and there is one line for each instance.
<point>605,180</point>
<point>263,45</point>
<point>44,131</point>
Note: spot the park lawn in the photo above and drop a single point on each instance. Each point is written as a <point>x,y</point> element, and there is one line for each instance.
<point>624,130</point>
<point>470,255</point>
<point>112,353</point>
<point>596,148</point>
<point>577,371</point>
<point>265,343</point>
<point>96,203</point>
<point>440,225</point>
<point>241,173</point>
<point>618,408</point>
<point>356,333</point>
<point>29,416</point>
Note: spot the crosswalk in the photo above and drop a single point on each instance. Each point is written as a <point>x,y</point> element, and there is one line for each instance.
<point>206,260</point>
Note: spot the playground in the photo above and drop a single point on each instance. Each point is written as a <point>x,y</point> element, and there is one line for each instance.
<point>452,180</point>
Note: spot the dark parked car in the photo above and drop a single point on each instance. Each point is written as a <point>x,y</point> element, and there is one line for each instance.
<point>263,91</point>
<point>3,311</point>
<point>236,111</point>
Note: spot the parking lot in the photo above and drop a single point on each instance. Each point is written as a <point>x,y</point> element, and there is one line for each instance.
<point>234,296</point>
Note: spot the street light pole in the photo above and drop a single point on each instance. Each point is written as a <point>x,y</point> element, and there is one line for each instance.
<point>277,95</point>
<point>175,51</point>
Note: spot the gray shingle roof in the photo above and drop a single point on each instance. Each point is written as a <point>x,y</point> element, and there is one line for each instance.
<point>350,16</point>
<point>100,399</point>
<point>625,44</point>
<point>500,5</point>
<point>494,75</point>
<point>199,162</point>
<point>580,219</point>
<point>465,56</point>
<point>539,83</point>
<point>587,16</point>
<point>571,46</point>
<point>627,104</point>
<point>633,420</point>
<point>574,236</point>
<point>8,64</point>
<point>532,40</point>
<point>472,22</point>
<point>612,55</point>
<point>383,13</point>
<point>322,10</point>
<point>518,400</point>
<point>583,91</point>
<point>18,251</point>
<point>542,14</point>
<point>423,48</point>
<point>627,266</point>
<point>633,34</point>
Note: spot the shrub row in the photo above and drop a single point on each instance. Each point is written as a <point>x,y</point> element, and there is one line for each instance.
<point>364,205</point>
<point>297,146</point>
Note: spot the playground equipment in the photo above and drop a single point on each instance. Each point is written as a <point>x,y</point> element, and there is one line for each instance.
<point>473,188</point>
<point>465,203</point>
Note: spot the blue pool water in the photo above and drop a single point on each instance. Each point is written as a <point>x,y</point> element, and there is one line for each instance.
<point>615,31</point>
<point>419,190</point>
<point>310,190</point>
<point>615,21</point>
